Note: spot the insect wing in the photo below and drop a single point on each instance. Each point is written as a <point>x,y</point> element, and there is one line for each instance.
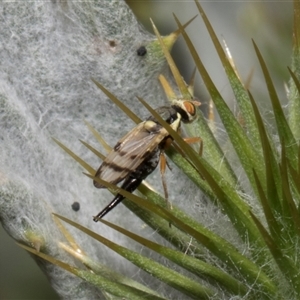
<point>130,152</point>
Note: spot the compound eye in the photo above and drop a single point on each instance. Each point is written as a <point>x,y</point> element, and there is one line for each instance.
<point>189,107</point>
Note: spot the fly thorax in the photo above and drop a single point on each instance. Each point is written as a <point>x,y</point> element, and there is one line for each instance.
<point>176,124</point>
<point>151,126</point>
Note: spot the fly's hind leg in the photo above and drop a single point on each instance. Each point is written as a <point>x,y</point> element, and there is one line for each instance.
<point>163,164</point>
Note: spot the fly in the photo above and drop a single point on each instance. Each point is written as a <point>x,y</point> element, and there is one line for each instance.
<point>138,153</point>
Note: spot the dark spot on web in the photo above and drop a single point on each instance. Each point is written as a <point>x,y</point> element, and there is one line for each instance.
<point>141,51</point>
<point>112,44</point>
<point>76,206</point>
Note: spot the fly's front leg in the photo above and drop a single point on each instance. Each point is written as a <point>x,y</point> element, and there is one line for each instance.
<point>193,140</point>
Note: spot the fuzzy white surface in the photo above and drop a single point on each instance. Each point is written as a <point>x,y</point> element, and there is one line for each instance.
<point>49,52</point>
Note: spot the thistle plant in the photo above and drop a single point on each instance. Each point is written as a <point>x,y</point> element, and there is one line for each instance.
<point>254,193</point>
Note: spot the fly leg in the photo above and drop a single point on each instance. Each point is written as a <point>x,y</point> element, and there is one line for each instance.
<point>189,140</point>
<point>163,164</point>
<point>192,140</point>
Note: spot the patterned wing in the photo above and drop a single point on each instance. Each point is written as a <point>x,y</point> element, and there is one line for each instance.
<point>130,152</point>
